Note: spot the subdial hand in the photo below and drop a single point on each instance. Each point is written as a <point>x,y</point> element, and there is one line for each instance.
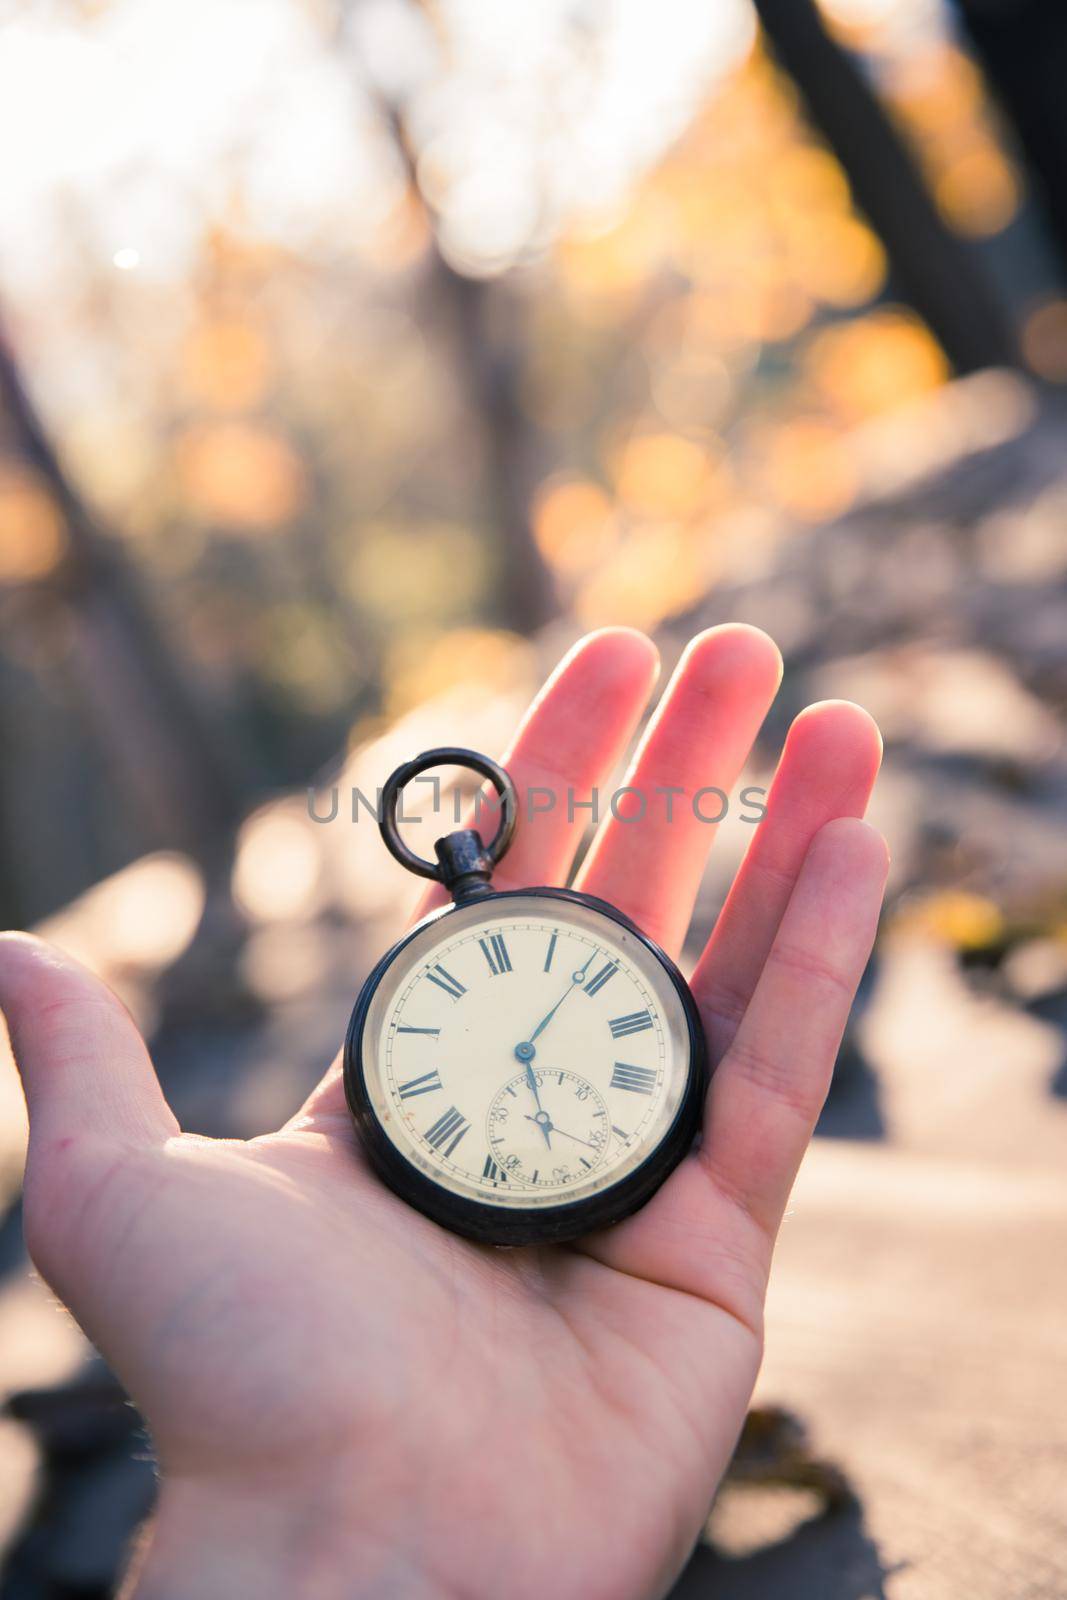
<point>567,1135</point>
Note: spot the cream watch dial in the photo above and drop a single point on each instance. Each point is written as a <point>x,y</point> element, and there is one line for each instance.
<point>523,1052</point>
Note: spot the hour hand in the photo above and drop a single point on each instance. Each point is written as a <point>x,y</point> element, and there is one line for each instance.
<point>532,1082</point>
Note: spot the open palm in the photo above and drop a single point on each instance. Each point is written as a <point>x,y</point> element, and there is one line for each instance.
<point>345,1398</point>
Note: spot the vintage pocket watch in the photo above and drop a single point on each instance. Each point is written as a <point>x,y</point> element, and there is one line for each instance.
<point>524,1066</point>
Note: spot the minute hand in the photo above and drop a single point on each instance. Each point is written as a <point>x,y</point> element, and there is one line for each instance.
<point>543,1024</point>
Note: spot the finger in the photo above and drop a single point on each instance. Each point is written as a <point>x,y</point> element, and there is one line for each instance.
<point>769,1089</point>
<point>710,1229</point>
<point>648,858</point>
<point>83,1064</point>
<point>827,770</point>
<point>325,1105</point>
<point>568,743</point>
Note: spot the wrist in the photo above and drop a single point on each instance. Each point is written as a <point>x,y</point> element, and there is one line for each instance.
<point>221,1541</point>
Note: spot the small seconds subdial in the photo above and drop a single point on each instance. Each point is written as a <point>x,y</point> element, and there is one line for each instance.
<point>550,1139</point>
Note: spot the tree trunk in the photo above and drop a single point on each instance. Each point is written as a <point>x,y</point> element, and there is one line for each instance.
<point>170,764</point>
<point>932,268</point>
<point>490,377</point>
<point>1022,47</point>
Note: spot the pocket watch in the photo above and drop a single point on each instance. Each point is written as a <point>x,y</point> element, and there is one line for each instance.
<point>524,1065</point>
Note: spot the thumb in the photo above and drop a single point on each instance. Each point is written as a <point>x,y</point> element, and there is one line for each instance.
<point>85,1069</point>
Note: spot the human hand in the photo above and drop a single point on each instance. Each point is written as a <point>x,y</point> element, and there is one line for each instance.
<point>347,1400</point>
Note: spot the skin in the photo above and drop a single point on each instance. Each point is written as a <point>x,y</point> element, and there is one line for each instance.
<point>347,1400</point>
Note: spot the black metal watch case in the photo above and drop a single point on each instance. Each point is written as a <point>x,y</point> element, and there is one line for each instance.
<point>508,1225</point>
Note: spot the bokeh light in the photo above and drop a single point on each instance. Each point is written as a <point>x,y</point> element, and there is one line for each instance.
<point>32,535</point>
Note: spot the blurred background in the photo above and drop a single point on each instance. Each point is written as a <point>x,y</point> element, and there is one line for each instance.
<point>355,357</point>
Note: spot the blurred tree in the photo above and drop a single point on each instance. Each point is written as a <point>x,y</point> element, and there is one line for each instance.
<point>1022,46</point>
<point>492,366</point>
<point>488,369</point>
<point>173,767</point>
<point>933,269</point>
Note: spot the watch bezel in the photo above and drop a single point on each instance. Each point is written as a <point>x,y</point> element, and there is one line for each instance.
<point>506,1225</point>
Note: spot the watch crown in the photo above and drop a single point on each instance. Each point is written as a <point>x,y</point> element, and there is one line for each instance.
<point>466,864</point>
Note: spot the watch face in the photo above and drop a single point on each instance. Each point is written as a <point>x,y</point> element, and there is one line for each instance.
<point>525,1056</point>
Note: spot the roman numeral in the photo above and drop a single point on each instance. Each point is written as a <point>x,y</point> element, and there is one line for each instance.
<point>641,1080</point>
<point>447,1131</point>
<point>636,1022</point>
<point>444,980</point>
<point>494,1173</point>
<point>423,1085</point>
<point>599,979</point>
<point>551,953</point>
<point>434,1033</point>
<point>495,952</point>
